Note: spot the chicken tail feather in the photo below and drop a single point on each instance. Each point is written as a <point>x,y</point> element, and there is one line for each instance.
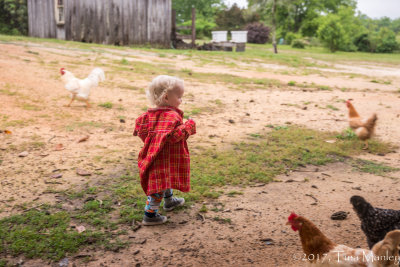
<point>370,123</point>
<point>96,76</point>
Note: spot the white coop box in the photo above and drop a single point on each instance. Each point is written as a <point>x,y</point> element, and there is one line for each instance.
<point>239,36</point>
<point>219,36</point>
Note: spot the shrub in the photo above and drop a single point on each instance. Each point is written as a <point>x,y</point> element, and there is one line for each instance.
<point>387,41</point>
<point>230,19</point>
<point>298,43</point>
<point>290,36</point>
<point>13,17</point>
<point>331,33</point>
<point>203,27</point>
<point>363,43</point>
<point>257,33</point>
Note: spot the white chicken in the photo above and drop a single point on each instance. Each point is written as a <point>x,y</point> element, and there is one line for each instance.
<point>80,88</point>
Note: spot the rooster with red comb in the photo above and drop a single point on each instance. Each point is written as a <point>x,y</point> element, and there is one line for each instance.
<point>80,88</point>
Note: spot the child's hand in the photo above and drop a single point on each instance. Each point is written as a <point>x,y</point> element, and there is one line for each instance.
<point>190,118</point>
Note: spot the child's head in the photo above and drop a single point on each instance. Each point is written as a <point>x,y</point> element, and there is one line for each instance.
<point>165,90</point>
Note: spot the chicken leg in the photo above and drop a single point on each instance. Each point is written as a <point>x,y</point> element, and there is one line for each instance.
<point>87,103</point>
<point>70,102</point>
<point>365,145</point>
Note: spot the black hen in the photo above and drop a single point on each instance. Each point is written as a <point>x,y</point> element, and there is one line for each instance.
<point>375,222</point>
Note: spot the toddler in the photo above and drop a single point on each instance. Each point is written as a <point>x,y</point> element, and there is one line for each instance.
<point>164,161</point>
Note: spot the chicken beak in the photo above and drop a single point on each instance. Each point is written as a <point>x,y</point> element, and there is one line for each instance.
<point>288,223</point>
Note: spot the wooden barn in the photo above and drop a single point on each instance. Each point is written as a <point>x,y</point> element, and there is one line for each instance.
<point>115,22</point>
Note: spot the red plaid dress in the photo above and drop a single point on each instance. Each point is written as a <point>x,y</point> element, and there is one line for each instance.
<point>164,160</point>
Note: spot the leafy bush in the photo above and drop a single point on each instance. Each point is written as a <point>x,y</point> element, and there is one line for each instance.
<point>203,27</point>
<point>231,19</point>
<point>383,41</point>
<point>298,43</point>
<point>290,36</point>
<point>258,33</point>
<point>313,41</point>
<point>13,17</point>
<point>363,42</point>
<point>309,27</point>
<point>331,32</point>
<point>387,41</point>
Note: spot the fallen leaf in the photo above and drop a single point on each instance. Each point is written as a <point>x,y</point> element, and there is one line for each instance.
<point>57,175</point>
<point>80,228</point>
<point>59,147</point>
<point>83,139</point>
<point>23,154</point>
<point>7,132</point>
<point>83,172</point>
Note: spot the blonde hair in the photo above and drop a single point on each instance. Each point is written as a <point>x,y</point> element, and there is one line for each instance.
<point>160,86</point>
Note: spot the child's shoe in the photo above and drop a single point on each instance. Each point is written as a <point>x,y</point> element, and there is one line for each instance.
<point>172,202</point>
<point>156,220</point>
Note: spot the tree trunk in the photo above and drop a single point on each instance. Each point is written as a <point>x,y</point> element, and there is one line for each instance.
<point>274,28</point>
<point>193,28</point>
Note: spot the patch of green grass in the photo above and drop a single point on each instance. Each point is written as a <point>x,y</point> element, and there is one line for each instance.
<point>324,88</point>
<point>32,107</point>
<point>95,213</point>
<point>276,152</point>
<point>124,62</point>
<point>8,92</point>
<point>41,234</point>
<point>83,124</point>
<point>382,82</point>
<point>218,102</point>
<point>17,123</point>
<point>255,135</point>
<point>372,167</point>
<point>347,134</point>
<point>106,105</point>
<point>332,107</point>
<point>234,193</point>
<point>130,87</point>
<point>32,52</point>
<point>222,220</point>
<point>194,111</point>
<point>292,83</point>
<point>203,209</point>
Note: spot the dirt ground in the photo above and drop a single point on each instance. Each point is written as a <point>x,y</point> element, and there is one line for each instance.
<point>32,99</point>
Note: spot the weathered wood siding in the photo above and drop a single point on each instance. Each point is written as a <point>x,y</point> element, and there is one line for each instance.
<point>42,22</point>
<point>119,22</point>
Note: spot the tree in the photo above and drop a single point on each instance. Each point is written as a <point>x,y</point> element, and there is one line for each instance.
<point>386,41</point>
<point>230,19</point>
<point>274,27</point>
<point>298,15</point>
<point>331,32</point>
<point>204,8</point>
<point>13,17</point>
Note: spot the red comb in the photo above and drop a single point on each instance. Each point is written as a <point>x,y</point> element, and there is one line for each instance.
<point>292,216</point>
<point>62,71</point>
